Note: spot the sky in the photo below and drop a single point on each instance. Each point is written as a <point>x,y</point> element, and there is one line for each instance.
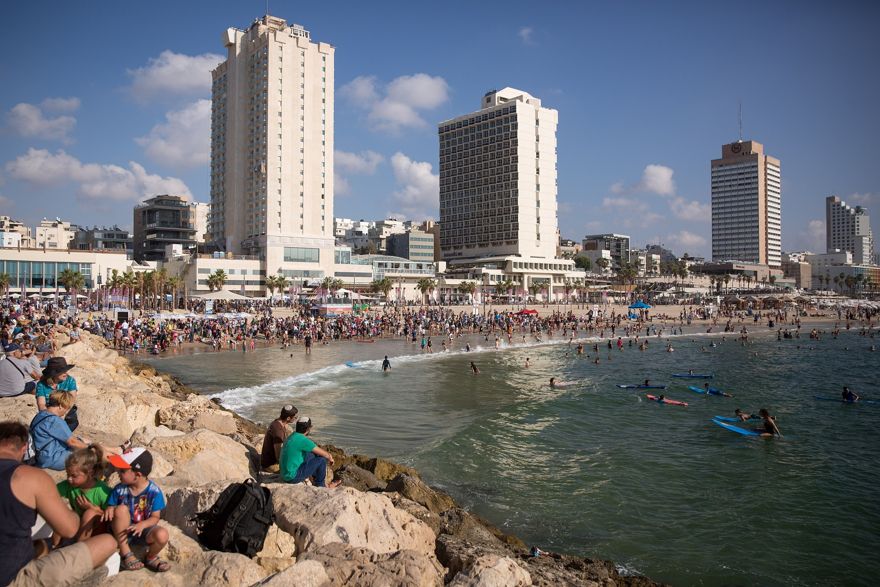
<point>105,103</point>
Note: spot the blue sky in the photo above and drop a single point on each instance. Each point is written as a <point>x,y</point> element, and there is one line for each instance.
<point>104,102</point>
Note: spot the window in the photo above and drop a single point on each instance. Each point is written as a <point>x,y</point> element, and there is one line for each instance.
<point>301,255</point>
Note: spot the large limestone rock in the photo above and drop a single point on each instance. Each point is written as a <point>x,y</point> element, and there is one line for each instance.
<point>21,408</point>
<point>197,412</point>
<point>317,516</point>
<point>418,491</point>
<point>103,411</point>
<point>353,476</point>
<point>303,574</point>
<point>492,571</point>
<point>203,456</point>
<point>361,567</point>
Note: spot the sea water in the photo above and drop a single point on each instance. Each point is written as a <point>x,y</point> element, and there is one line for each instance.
<point>595,470</point>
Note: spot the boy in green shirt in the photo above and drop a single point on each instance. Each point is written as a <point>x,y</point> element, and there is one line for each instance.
<point>302,459</point>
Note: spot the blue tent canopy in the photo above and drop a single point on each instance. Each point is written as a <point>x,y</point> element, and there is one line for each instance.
<point>639,305</point>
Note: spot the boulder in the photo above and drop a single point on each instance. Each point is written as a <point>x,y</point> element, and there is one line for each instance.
<point>316,516</point>
<point>99,410</point>
<point>302,574</point>
<point>146,434</point>
<point>458,554</point>
<point>353,476</point>
<point>197,411</point>
<point>203,456</point>
<point>361,567</point>
<point>416,510</point>
<point>385,470</point>
<point>464,525</point>
<point>185,501</point>
<point>492,571</point>
<point>21,408</point>
<point>418,491</point>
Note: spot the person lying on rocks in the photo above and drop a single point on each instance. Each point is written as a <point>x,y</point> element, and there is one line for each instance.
<point>302,459</point>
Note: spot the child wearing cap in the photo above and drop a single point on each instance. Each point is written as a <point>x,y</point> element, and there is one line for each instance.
<point>134,508</point>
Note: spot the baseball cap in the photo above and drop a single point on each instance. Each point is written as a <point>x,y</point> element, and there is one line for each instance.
<point>137,459</point>
<point>11,348</point>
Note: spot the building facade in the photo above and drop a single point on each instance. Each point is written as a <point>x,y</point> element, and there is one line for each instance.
<point>103,239</point>
<point>498,179</point>
<point>272,148</point>
<point>161,221</point>
<point>37,270</point>
<point>15,233</point>
<point>848,228</point>
<point>54,234</point>
<point>616,244</point>
<point>746,205</point>
<point>413,244</point>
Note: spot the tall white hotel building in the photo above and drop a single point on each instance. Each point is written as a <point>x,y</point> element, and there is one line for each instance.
<point>849,229</point>
<point>746,205</point>
<point>272,149</point>
<point>498,179</point>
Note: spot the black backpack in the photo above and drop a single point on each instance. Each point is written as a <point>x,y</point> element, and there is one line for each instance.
<point>238,521</point>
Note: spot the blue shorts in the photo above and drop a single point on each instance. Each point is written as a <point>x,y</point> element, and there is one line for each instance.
<point>142,539</point>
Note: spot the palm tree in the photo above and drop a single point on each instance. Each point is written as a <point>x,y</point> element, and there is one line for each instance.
<point>382,286</point>
<point>331,284</point>
<point>129,282</point>
<point>271,284</point>
<point>217,280</point>
<point>160,278</point>
<point>468,288</point>
<point>602,263</point>
<point>173,283</point>
<point>426,286</point>
<point>4,284</point>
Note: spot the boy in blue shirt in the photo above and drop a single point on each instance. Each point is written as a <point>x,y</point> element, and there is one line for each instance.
<point>134,509</point>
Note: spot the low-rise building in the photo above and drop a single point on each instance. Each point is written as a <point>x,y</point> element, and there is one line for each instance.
<point>54,234</point>
<point>37,270</point>
<point>617,244</point>
<point>14,233</point>
<point>568,249</point>
<point>103,239</point>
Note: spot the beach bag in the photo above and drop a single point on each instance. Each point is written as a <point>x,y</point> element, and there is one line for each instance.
<point>238,521</point>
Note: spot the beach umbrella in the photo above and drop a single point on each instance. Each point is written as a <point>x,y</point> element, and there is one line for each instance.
<point>15,296</point>
<point>639,305</point>
<point>34,296</point>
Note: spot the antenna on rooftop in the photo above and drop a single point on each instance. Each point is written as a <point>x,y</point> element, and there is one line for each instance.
<point>740,118</point>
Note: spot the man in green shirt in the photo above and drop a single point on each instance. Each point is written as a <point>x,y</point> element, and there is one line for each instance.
<point>302,459</point>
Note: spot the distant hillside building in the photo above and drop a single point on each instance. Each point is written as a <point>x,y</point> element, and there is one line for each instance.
<point>617,244</point>
<point>14,234</point>
<point>103,239</point>
<point>413,244</point>
<point>54,234</point>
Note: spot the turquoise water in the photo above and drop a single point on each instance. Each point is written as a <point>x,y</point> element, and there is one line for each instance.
<point>599,471</point>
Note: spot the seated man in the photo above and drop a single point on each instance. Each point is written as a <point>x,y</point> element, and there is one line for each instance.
<point>14,378</point>
<point>302,459</point>
<point>275,436</point>
<point>25,492</point>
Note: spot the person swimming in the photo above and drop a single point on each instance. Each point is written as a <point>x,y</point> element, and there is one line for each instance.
<point>474,369</point>
<point>744,416</point>
<point>848,395</point>
<point>713,391</point>
<point>769,428</point>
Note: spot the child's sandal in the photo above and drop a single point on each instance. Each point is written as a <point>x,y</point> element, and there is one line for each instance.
<point>131,563</point>
<point>157,565</point>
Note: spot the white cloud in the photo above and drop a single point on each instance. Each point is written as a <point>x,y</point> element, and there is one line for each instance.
<point>28,120</point>
<point>525,35</point>
<point>403,98</point>
<point>174,73</point>
<point>631,212</point>
<point>860,199</point>
<point>419,191</point>
<point>71,104</point>
<point>693,210</point>
<point>183,140</point>
<point>364,162</point>
<point>94,181</point>
<point>686,240</point>
<point>817,235</point>
<point>656,179</point>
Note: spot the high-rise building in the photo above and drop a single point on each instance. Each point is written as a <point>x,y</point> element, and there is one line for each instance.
<point>746,205</point>
<point>498,179</point>
<point>272,148</point>
<point>848,229</point>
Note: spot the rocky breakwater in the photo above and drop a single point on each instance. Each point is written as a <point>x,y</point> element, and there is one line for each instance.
<point>383,526</point>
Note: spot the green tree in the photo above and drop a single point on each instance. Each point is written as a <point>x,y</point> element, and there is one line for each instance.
<point>426,286</point>
<point>332,285</point>
<point>217,280</point>
<point>582,262</point>
<point>5,279</point>
<point>602,263</point>
<point>467,288</point>
<point>71,280</point>
<point>382,286</point>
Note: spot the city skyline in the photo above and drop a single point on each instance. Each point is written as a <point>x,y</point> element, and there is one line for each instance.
<point>123,114</point>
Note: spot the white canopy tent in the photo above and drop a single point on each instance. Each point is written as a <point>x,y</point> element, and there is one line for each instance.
<point>223,294</point>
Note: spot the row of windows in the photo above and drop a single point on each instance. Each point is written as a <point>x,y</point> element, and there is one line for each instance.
<point>301,255</point>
